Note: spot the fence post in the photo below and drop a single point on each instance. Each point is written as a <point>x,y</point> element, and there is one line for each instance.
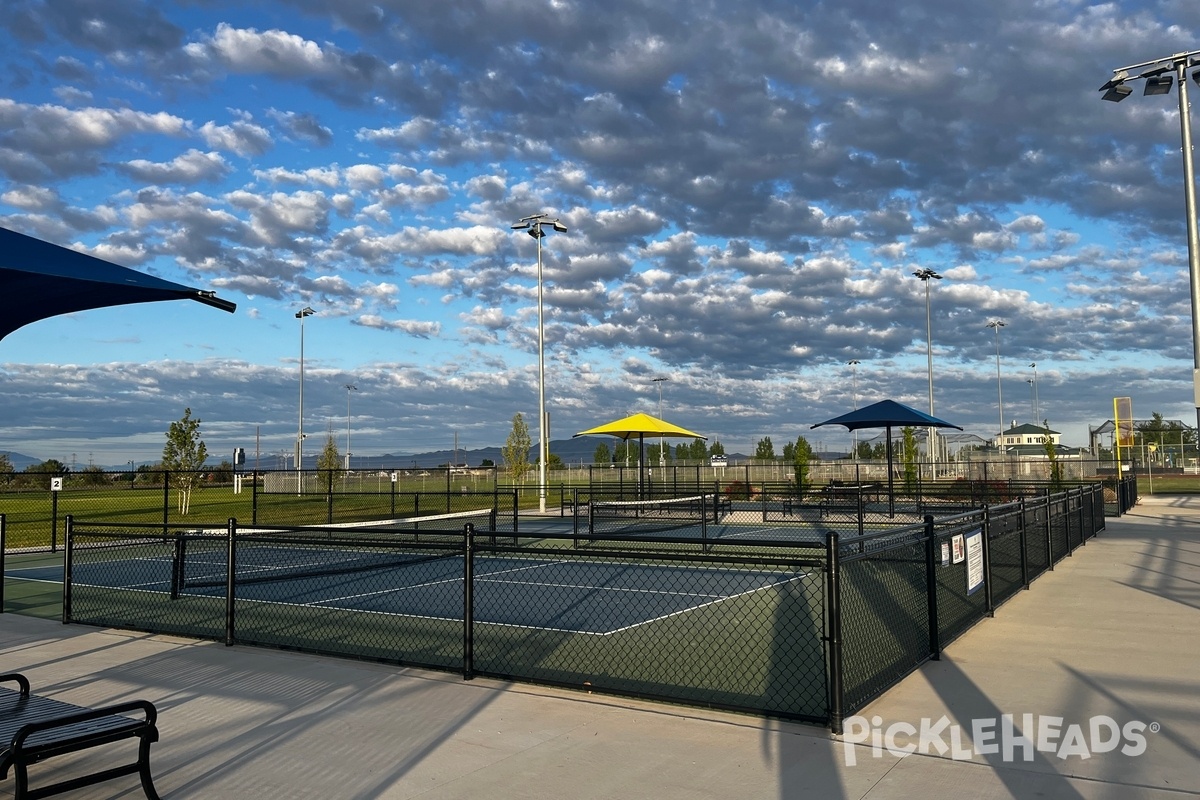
<point>468,602</point>
<point>166,500</point>
<point>935,639</point>
<point>833,638</point>
<point>1023,545</point>
<point>230,578</point>
<point>3,547</point>
<point>986,533</point>
<point>68,567</point>
<point>254,498</point>
<point>53,522</point>
<point>329,496</point>
<point>1050,532</point>
<point>1083,535</point>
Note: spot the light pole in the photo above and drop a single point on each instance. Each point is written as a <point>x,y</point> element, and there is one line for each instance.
<point>662,457</point>
<point>1158,75</point>
<point>996,325</point>
<point>853,364</point>
<point>350,387</point>
<point>533,225</point>
<point>300,315</point>
<point>1037,409</point>
<point>925,275</point>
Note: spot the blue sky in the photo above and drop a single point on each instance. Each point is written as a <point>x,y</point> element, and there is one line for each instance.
<point>747,196</point>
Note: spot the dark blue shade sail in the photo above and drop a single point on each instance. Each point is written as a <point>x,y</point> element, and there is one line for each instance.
<point>887,414</point>
<point>39,280</point>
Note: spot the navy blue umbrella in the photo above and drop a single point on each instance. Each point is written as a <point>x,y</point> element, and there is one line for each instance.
<point>887,414</point>
<point>39,279</point>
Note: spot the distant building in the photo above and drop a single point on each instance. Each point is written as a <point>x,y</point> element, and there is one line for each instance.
<point>1030,441</point>
<point>1020,436</point>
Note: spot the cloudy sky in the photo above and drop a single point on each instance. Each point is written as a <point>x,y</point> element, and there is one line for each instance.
<point>747,197</point>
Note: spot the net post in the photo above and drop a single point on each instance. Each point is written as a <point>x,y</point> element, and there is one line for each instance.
<point>704,522</point>
<point>468,601</point>
<point>68,566</point>
<point>491,524</point>
<point>177,555</point>
<point>575,513</point>
<point>230,573</point>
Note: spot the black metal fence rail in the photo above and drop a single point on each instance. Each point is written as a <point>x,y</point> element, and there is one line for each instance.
<point>790,630</point>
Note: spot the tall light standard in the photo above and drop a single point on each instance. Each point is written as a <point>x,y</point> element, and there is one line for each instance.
<point>1158,75</point>
<point>925,275</point>
<point>853,364</point>
<point>350,387</point>
<point>1037,409</point>
<point>996,325</point>
<point>533,225</point>
<point>662,456</point>
<point>300,315</point>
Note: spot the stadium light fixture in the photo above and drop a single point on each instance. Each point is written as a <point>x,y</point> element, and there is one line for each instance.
<point>931,441</point>
<point>662,456</point>
<point>533,225</point>
<point>1157,73</point>
<point>996,325</point>
<point>300,315</point>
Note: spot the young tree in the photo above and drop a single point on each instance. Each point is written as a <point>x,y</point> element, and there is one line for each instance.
<point>910,459</point>
<point>802,454</point>
<point>6,468</point>
<point>716,448</point>
<point>516,449</point>
<point>602,456</point>
<point>765,450</point>
<point>183,457</point>
<point>1056,470</point>
<point>329,465</point>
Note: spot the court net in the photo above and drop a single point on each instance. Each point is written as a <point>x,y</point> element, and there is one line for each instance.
<point>263,555</point>
<point>624,517</point>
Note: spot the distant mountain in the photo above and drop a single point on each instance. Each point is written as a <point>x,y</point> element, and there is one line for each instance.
<point>19,461</point>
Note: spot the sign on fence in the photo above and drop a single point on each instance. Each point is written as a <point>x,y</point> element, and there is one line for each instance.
<point>974,561</point>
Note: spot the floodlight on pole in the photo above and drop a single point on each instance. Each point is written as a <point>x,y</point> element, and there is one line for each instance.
<point>533,225</point>
<point>996,325</point>
<point>853,364</point>
<point>350,387</point>
<point>662,456</point>
<point>300,315</point>
<point>1159,75</point>
<point>926,275</point>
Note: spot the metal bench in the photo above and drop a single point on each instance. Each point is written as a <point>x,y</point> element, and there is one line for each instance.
<point>34,728</point>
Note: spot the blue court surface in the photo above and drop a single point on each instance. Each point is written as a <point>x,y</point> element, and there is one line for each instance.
<point>590,596</point>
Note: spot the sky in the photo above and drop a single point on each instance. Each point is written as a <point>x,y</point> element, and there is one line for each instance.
<point>746,195</point>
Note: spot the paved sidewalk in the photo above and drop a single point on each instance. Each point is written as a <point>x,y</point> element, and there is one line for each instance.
<point>1112,631</point>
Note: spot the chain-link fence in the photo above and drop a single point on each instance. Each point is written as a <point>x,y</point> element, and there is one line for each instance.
<point>803,629</point>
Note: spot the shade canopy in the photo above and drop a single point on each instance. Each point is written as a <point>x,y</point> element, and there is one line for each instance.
<point>39,280</point>
<point>639,425</point>
<point>887,414</point>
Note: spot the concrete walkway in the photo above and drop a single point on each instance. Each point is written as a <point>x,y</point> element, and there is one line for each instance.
<point>1110,634</point>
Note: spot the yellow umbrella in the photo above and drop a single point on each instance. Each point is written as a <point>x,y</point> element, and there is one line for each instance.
<point>640,425</point>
